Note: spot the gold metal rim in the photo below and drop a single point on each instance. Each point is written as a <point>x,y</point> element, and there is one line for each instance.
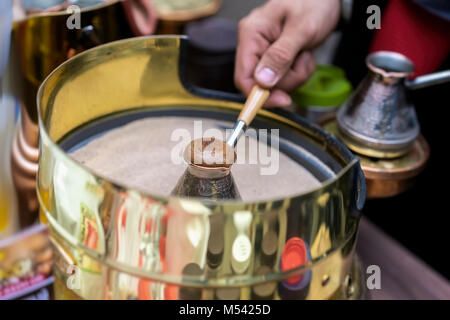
<point>63,13</point>
<point>401,173</point>
<point>187,15</point>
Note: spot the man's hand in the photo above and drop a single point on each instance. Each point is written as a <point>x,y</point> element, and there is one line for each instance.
<point>274,43</point>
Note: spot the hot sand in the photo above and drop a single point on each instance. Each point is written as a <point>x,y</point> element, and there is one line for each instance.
<point>138,155</point>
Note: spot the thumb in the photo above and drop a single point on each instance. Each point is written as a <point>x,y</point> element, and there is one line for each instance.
<point>278,58</point>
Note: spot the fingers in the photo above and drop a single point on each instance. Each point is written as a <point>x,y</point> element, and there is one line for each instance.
<point>279,57</point>
<point>278,98</point>
<point>303,67</point>
<point>247,58</point>
<point>251,46</point>
<point>269,42</point>
<point>246,61</point>
<point>301,70</point>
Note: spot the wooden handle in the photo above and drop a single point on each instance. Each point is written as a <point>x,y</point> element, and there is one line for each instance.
<point>256,99</point>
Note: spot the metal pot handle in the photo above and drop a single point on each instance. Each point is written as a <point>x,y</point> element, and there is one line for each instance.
<point>428,80</point>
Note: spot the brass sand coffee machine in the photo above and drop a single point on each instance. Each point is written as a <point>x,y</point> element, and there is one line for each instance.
<point>129,244</point>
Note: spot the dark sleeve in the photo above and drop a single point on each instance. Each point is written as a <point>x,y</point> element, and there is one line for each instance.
<point>440,8</point>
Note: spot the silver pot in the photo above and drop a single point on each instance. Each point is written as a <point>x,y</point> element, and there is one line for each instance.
<point>379,119</point>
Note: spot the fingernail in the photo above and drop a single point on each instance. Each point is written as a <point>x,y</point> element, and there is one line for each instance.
<point>266,76</point>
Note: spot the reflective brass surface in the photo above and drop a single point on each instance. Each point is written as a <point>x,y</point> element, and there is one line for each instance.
<point>130,245</point>
<point>39,43</point>
<point>24,167</point>
<point>390,177</point>
<point>182,11</point>
<point>175,14</point>
<point>42,41</point>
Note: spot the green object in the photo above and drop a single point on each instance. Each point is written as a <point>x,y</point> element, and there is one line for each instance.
<point>327,87</point>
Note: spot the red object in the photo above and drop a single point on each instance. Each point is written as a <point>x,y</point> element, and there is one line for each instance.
<point>414,32</point>
<point>144,290</point>
<point>294,255</point>
<point>171,292</point>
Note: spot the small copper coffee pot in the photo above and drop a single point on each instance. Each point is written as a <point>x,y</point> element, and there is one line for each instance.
<point>379,119</point>
<point>208,174</point>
